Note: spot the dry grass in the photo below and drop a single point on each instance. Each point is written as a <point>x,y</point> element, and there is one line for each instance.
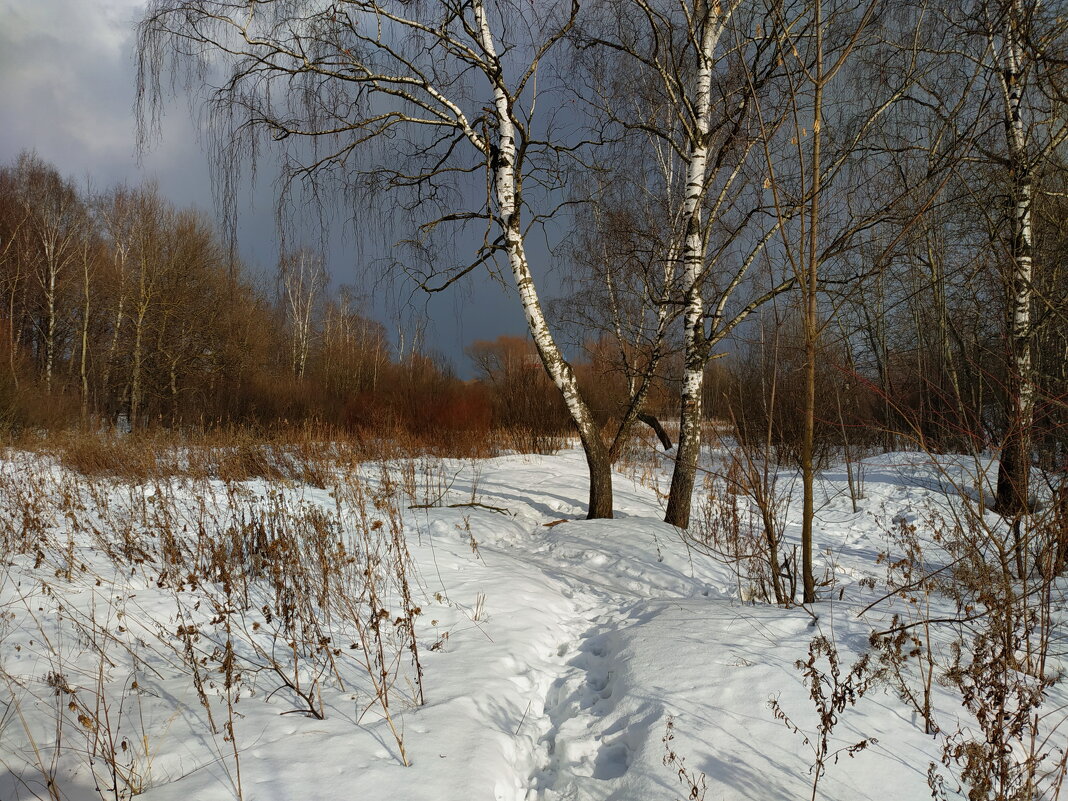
<point>304,454</point>
<point>300,600</point>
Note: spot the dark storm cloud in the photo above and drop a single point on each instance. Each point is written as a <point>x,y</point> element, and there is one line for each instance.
<point>59,62</point>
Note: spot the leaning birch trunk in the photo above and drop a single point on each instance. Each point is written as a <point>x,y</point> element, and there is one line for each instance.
<point>690,411</point>
<point>506,190</point>
<point>1015,464</point>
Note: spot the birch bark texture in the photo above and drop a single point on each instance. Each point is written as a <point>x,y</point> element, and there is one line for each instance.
<point>302,278</point>
<point>1019,51</point>
<point>712,21</point>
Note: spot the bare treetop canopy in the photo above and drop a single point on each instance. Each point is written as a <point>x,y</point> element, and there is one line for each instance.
<point>365,96</point>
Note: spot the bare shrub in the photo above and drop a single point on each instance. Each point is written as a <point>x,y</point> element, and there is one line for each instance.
<point>993,650</point>
<point>694,782</point>
<point>275,595</point>
<point>831,691</point>
<point>1000,664</point>
<point>741,522</point>
<point>906,650</point>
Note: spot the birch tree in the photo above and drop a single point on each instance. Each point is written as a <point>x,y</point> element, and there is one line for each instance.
<point>1020,34</point>
<point>1006,32</point>
<point>999,92</point>
<point>153,249</point>
<point>302,279</point>
<point>450,89</point>
<point>116,212</point>
<point>56,222</point>
<point>14,217</point>
<point>704,328</point>
<point>353,350</point>
<point>698,66</point>
<point>90,256</point>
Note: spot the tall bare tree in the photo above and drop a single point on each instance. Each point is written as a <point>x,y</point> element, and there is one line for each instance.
<point>302,278</point>
<point>14,217</point>
<point>678,79</point>
<point>56,223</point>
<point>836,123</point>
<point>452,86</point>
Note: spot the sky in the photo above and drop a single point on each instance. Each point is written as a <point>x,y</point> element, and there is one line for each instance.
<point>67,78</point>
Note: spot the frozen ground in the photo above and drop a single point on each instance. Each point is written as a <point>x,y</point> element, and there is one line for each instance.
<point>554,656</point>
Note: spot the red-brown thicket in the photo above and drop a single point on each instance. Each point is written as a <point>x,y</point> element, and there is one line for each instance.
<point>522,396</point>
<point>121,310</point>
<point>609,375</point>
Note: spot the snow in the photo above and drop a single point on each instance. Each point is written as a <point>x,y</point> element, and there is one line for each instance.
<point>554,656</point>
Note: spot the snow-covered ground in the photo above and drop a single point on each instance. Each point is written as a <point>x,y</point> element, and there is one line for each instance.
<point>585,660</point>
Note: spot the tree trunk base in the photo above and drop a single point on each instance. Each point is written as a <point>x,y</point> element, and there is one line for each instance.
<point>600,466</point>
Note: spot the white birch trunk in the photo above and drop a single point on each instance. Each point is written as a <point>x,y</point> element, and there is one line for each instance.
<point>506,185</point>
<point>144,301</point>
<point>1014,469</point>
<point>691,407</point>
<point>121,251</point>
<point>50,337</point>
<point>84,370</point>
<point>302,284</point>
